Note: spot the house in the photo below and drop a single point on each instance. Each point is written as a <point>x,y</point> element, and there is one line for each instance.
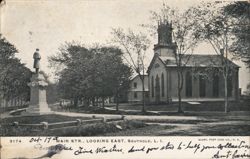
<point>135,91</point>
<point>202,80</point>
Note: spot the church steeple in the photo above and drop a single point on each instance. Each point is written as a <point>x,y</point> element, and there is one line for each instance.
<point>165,45</point>
<point>164,33</point>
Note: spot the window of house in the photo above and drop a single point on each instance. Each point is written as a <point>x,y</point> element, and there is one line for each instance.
<point>162,85</point>
<point>135,85</point>
<point>189,84</point>
<point>135,94</point>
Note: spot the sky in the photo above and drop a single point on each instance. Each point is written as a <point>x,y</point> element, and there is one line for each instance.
<point>47,24</point>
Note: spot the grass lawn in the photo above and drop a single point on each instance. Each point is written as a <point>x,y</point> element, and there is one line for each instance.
<point>100,110</point>
<point>193,130</point>
<point>37,119</point>
<point>166,109</point>
<point>203,106</point>
<point>225,130</point>
<point>214,123</point>
<point>220,127</point>
<point>7,128</point>
<point>243,105</point>
<point>152,130</point>
<point>94,129</point>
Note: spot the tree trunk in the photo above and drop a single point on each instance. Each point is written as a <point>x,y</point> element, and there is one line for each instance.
<point>93,101</point>
<point>103,102</point>
<point>179,102</point>
<point>75,102</point>
<point>21,102</point>
<point>226,95</point>
<point>143,96</point>
<point>117,102</point>
<point>15,102</point>
<point>80,101</point>
<point>88,102</point>
<point>226,72</point>
<point>18,101</point>
<point>7,103</point>
<point>12,102</point>
<point>0,100</point>
<point>179,93</point>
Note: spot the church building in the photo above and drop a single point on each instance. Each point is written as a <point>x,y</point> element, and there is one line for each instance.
<point>197,85</point>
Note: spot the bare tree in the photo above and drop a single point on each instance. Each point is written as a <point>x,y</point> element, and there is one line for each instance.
<point>215,27</point>
<point>135,46</point>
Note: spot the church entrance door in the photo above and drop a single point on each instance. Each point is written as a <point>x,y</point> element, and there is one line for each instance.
<point>157,89</point>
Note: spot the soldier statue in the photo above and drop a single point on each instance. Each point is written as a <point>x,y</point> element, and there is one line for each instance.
<point>36,57</point>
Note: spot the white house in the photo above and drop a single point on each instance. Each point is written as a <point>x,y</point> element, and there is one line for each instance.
<point>135,91</point>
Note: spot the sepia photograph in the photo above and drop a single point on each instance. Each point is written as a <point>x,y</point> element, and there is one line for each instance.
<point>134,79</point>
<point>124,68</point>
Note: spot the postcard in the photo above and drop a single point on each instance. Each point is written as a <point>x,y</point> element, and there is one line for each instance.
<point>124,79</point>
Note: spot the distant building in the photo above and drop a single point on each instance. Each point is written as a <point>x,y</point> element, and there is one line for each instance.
<point>163,80</point>
<point>135,91</point>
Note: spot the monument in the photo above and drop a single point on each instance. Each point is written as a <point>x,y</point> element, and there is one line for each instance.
<point>38,102</point>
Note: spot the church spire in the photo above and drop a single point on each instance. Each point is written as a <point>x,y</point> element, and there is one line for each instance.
<point>165,45</point>
<point>164,32</point>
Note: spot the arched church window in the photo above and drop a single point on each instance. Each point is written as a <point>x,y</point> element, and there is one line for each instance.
<point>189,84</point>
<point>215,84</point>
<point>170,81</point>
<point>162,85</point>
<point>229,85</point>
<point>152,86</point>
<point>202,84</point>
<point>135,85</point>
<point>157,89</point>
<point>135,95</point>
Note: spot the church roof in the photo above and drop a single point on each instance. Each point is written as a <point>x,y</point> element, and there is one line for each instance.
<point>197,60</point>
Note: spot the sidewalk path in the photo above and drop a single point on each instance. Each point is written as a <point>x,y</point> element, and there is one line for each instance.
<point>132,117</point>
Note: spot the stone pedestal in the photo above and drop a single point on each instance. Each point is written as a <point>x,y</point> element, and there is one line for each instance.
<point>38,103</point>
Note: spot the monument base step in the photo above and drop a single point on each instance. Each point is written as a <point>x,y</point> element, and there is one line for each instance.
<point>38,109</point>
<point>31,113</point>
<point>31,110</point>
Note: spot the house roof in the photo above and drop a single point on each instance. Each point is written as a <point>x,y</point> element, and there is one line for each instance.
<point>136,75</point>
<point>197,60</point>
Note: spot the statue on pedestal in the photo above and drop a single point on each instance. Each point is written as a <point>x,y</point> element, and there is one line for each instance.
<point>38,84</point>
<point>37,58</point>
